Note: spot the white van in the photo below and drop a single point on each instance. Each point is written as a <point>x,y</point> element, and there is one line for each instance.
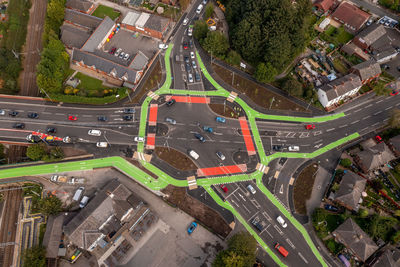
<point>251,189</point>
<point>193,154</point>
<point>294,148</point>
<point>78,194</point>
<point>281,221</point>
<point>83,202</point>
<point>199,9</point>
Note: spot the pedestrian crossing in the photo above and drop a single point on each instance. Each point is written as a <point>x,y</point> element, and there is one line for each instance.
<point>153,95</point>
<point>232,96</point>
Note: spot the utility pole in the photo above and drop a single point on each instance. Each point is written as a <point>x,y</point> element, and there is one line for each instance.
<point>233,77</point>
<point>106,138</point>
<point>46,94</point>
<point>130,99</point>
<point>272,101</point>
<point>309,104</point>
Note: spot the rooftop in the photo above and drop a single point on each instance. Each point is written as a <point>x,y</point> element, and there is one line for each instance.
<point>82,20</point>
<point>131,18</point>
<point>371,34</point>
<point>350,190</point>
<point>367,69</point>
<point>341,86</point>
<point>83,6</point>
<point>373,157</point>
<point>73,36</point>
<point>350,15</point>
<point>157,23</point>
<point>139,62</point>
<point>98,35</point>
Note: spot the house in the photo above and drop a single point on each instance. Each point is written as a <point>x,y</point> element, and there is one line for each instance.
<point>352,49</point>
<point>74,37</point>
<point>323,6</point>
<point>386,55</point>
<point>81,20</point>
<point>80,5</point>
<point>395,145</point>
<point>113,73</point>
<point>367,70</point>
<point>373,157</point>
<point>350,16</point>
<point>340,89</point>
<point>355,239</point>
<point>148,24</point>
<point>99,36</point>
<point>369,35</point>
<point>349,193</point>
<point>169,2</point>
<point>102,225</point>
<point>388,256</point>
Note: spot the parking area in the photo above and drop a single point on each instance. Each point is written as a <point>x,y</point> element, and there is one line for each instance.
<point>132,43</point>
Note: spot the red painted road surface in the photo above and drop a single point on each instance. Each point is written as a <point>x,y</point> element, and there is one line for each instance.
<point>153,114</point>
<point>247,136</point>
<point>192,99</point>
<point>222,170</point>
<point>151,141</point>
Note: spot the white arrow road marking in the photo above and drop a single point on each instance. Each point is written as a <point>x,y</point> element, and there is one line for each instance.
<point>281,189</point>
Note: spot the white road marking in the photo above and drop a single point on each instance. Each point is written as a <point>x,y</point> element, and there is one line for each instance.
<point>319,141</point>
<point>366,117</point>
<point>235,203</point>
<point>379,101</point>
<point>370,105</point>
<point>388,108</point>
<point>255,203</point>
<point>302,257</point>
<point>357,110</point>
<point>265,214</point>
<point>290,243</point>
<point>330,129</point>
<point>342,126</point>
<point>354,122</point>
<point>278,229</point>
<point>60,113</point>
<point>47,113</point>
<point>363,129</point>
<point>246,209</point>
<point>240,195</point>
<point>375,124</point>
<point>376,113</point>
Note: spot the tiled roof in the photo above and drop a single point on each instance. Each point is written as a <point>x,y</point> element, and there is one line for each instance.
<point>81,19</point>
<point>371,34</point>
<point>375,156</point>
<point>74,37</point>
<point>341,86</point>
<point>387,53</point>
<point>350,189</point>
<point>79,5</point>
<point>157,23</point>
<point>139,62</point>
<point>351,15</point>
<point>105,65</point>
<point>98,35</point>
<point>389,256</point>
<point>395,141</point>
<point>356,239</point>
<point>325,5</point>
<point>367,69</point>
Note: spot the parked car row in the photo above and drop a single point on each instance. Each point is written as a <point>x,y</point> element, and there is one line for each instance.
<point>119,53</point>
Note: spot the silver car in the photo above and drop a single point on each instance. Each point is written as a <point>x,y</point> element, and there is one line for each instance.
<point>190,78</point>
<point>170,120</point>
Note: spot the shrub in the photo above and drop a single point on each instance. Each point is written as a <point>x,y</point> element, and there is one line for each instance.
<point>345,162</point>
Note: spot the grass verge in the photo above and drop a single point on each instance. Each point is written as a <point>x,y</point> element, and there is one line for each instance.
<point>303,188</point>
<point>103,11</point>
<point>151,83</point>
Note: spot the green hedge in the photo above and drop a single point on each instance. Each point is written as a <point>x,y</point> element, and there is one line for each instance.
<point>90,100</point>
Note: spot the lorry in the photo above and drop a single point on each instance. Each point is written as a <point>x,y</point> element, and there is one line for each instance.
<point>58,178</point>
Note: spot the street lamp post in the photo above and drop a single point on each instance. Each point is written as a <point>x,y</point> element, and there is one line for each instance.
<point>46,94</point>
<point>105,137</point>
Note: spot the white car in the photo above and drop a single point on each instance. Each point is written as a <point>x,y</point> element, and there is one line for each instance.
<point>185,21</point>
<point>251,189</point>
<point>294,148</point>
<point>126,56</point>
<point>2,112</point>
<point>281,221</point>
<point>138,139</point>
<point>190,31</point>
<point>94,132</point>
<point>192,55</point>
<point>102,144</point>
<point>163,46</point>
<point>190,77</point>
<point>118,52</point>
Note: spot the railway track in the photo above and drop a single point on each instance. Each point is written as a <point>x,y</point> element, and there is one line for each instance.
<point>12,201</point>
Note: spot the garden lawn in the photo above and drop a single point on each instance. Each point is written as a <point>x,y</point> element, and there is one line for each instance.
<point>103,11</point>
<point>89,83</point>
<point>339,66</point>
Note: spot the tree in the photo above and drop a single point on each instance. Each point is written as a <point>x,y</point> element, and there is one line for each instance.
<point>380,89</point>
<point>395,118</point>
<point>216,43</point>
<point>35,256</point>
<point>293,87</point>
<point>363,213</point>
<point>240,252</point>
<point>209,10</point>
<point>396,213</point>
<point>396,237</point>
<point>265,73</point>
<point>184,4</point>
<point>50,205</point>
<point>233,58</point>
<point>345,162</point>
<point>36,152</point>
<point>200,30</point>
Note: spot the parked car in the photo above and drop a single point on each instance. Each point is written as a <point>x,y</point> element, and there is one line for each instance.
<point>190,78</point>
<point>310,126</point>
<point>277,148</point>
<point>187,67</point>
<point>138,139</point>
<point>185,21</point>
<point>129,110</point>
<point>224,188</point>
<point>194,64</point>
<point>251,189</point>
<point>294,148</point>
<point>33,115</point>
<point>190,31</point>
<point>126,57</point>
<point>257,223</point>
<point>112,50</point>
<point>118,52</point>
<point>2,112</point>
<point>331,208</point>
<point>199,9</point>
<point>13,113</point>
<point>127,117</point>
<point>200,137</point>
<point>281,250</point>
<point>378,139</point>
<point>220,119</point>
<point>220,155</point>
<point>185,45</point>
<point>186,58</point>
<point>192,55</point>
<point>208,129</point>
<point>192,227</point>
<point>122,55</point>
<point>83,202</point>
<point>170,120</point>
<point>162,46</point>
<point>51,130</point>
<point>102,144</point>
<point>197,76</point>
<point>170,102</point>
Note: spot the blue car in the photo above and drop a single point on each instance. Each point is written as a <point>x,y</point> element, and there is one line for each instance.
<point>192,227</point>
<point>220,119</point>
<point>331,208</point>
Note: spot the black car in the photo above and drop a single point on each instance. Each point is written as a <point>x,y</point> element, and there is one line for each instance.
<point>331,208</point>
<point>102,118</point>
<point>277,148</point>
<point>188,67</point>
<point>197,76</point>
<point>13,113</point>
<point>51,130</point>
<point>200,137</point>
<point>19,125</point>
<point>129,110</point>
<point>127,117</point>
<point>171,102</point>
<point>190,43</point>
<point>186,59</point>
<point>33,115</point>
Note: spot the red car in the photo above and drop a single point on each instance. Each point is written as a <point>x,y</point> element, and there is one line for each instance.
<point>112,51</point>
<point>224,188</point>
<point>310,126</point>
<point>378,139</point>
<point>185,45</point>
<point>72,118</point>
<point>394,92</point>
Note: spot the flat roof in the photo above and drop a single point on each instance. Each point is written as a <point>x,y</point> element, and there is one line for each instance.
<point>142,20</point>
<point>131,18</point>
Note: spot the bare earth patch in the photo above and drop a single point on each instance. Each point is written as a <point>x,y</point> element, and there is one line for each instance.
<point>303,188</point>
<point>260,95</point>
<point>201,212</point>
<point>175,158</point>
<point>224,111</point>
<point>137,164</point>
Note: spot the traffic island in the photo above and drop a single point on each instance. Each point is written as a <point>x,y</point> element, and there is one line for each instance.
<point>175,158</point>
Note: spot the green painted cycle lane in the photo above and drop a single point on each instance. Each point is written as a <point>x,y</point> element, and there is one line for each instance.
<point>229,207</point>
